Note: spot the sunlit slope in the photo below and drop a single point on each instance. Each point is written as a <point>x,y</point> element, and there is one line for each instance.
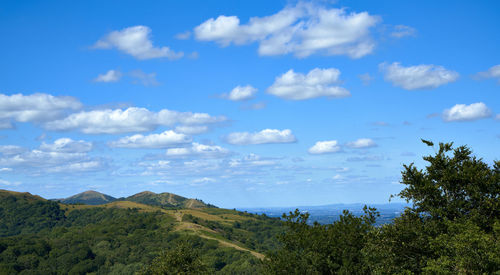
<point>89,197</point>
<point>25,213</point>
<point>165,200</point>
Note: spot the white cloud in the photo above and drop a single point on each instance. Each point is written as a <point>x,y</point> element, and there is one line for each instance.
<point>302,30</point>
<point>143,78</point>
<point>5,169</point>
<point>419,77</point>
<point>67,145</point>
<point>204,180</point>
<point>136,42</point>
<point>262,137</point>
<point>361,143</point>
<point>162,140</point>
<point>132,119</point>
<point>198,150</point>
<point>325,147</point>
<point>35,107</point>
<point>240,93</point>
<point>192,130</point>
<point>317,83</point>
<point>86,166</point>
<point>400,31</point>
<point>109,76</point>
<point>251,160</point>
<point>493,72</point>
<point>62,156</point>
<point>462,112</point>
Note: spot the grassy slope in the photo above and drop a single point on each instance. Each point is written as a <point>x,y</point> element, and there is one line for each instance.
<point>223,216</point>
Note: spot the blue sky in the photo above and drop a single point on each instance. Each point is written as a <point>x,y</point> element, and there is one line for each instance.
<point>242,103</point>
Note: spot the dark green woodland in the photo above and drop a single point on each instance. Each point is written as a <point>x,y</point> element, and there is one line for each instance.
<point>453,227</point>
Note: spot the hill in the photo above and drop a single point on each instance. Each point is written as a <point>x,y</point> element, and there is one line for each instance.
<point>165,200</point>
<point>89,197</point>
<point>40,236</point>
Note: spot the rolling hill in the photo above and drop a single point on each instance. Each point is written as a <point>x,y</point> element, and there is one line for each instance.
<point>165,200</point>
<point>125,235</point>
<point>89,197</point>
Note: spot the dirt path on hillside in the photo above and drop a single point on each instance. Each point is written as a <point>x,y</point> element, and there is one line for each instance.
<point>235,246</point>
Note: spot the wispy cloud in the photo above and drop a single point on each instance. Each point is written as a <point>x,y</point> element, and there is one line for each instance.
<point>109,76</point>
<point>262,137</point>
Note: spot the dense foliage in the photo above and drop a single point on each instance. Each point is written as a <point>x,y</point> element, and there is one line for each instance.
<point>100,240</point>
<point>453,227</point>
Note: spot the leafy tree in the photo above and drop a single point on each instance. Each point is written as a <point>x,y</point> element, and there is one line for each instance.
<point>452,227</point>
<point>184,259</point>
<point>457,186</point>
<point>322,249</point>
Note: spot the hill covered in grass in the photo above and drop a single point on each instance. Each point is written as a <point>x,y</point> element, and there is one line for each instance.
<point>164,200</point>
<point>124,236</point>
<point>89,197</point>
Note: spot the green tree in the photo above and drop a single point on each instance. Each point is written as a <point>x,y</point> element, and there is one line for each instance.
<point>184,259</point>
<point>322,249</point>
<point>452,227</point>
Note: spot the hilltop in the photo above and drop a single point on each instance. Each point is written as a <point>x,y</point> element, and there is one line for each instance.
<point>88,197</point>
<point>164,200</point>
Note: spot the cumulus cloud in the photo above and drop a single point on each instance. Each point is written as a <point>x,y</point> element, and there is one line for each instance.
<point>162,140</point>
<point>132,119</point>
<point>317,83</point>
<point>401,31</point>
<point>302,30</point>
<point>136,41</point>
<point>198,150</point>
<point>493,72</point>
<point>420,77</point>
<point>240,93</point>
<point>361,143</point>
<point>109,76</point>
<point>462,112</point>
<point>325,147</point>
<point>146,79</point>
<point>262,137</point>
<point>34,108</point>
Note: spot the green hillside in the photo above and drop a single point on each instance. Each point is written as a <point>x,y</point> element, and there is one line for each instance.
<point>39,236</point>
<point>89,197</point>
<point>165,200</point>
